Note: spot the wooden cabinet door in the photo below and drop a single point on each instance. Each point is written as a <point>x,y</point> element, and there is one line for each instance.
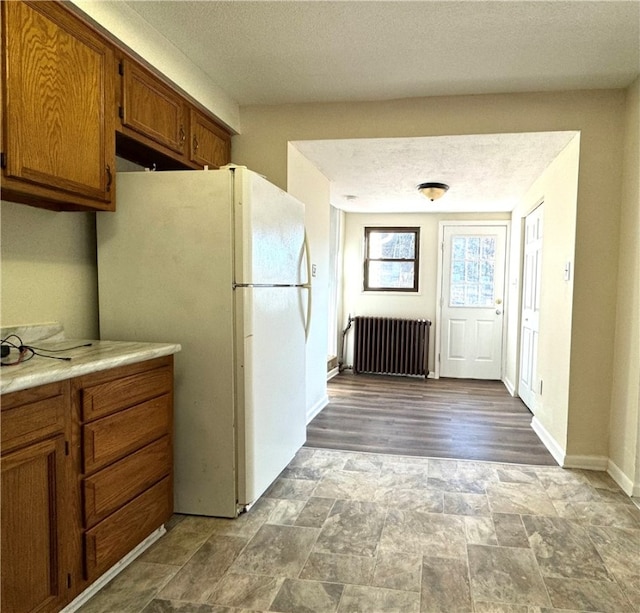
<point>209,146</point>
<point>151,108</point>
<point>32,521</point>
<point>58,103</point>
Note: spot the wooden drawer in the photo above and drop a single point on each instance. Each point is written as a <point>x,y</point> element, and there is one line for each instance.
<point>123,392</point>
<point>111,438</point>
<point>113,538</point>
<point>33,414</point>
<point>114,486</point>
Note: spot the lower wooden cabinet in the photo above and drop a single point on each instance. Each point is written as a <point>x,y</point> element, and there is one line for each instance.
<point>33,575</point>
<point>34,499</point>
<point>86,476</point>
<point>125,418</point>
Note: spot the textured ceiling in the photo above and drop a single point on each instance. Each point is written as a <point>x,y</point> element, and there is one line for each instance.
<point>274,52</point>
<point>305,51</point>
<point>488,172</point>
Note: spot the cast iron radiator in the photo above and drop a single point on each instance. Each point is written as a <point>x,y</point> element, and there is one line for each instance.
<point>391,346</point>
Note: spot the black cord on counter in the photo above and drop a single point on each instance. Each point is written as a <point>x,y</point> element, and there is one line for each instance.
<point>33,350</point>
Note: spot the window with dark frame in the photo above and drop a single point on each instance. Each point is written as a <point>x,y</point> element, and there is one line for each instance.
<point>391,259</point>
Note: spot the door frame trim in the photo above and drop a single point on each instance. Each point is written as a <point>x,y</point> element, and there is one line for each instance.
<point>506,223</point>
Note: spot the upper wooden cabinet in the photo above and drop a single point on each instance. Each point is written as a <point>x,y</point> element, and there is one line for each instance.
<point>58,108</point>
<point>158,127</point>
<point>152,109</point>
<point>73,97</point>
<point>209,144</point>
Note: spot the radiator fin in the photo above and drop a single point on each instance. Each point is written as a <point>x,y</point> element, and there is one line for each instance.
<point>391,346</point>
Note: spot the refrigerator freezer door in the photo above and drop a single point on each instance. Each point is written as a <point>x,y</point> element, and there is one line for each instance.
<point>271,372</point>
<point>270,231</point>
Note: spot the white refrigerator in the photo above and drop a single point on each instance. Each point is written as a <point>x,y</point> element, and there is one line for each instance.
<point>215,260</point>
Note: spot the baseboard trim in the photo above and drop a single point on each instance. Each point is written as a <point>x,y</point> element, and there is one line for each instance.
<point>616,473</point>
<point>548,441</point>
<point>317,407</point>
<point>332,373</point>
<point>511,388</point>
<point>586,462</point>
<point>116,569</point>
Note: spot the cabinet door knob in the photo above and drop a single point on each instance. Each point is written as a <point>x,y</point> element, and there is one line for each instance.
<point>195,144</point>
<point>183,134</point>
<point>109,178</point>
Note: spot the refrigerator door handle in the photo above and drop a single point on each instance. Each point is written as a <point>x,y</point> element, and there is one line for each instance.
<point>307,285</point>
<point>307,254</point>
<point>307,322</point>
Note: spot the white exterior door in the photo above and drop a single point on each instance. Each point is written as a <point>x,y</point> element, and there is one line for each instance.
<point>530,316</point>
<point>472,294</point>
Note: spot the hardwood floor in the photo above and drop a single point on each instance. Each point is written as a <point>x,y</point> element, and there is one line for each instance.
<point>440,418</point>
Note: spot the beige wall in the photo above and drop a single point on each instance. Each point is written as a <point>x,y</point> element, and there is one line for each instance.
<point>421,305</point>
<point>310,186</point>
<point>557,189</point>
<point>624,438</point>
<point>598,115</point>
<point>49,269</point>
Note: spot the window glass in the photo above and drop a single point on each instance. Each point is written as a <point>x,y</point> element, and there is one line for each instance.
<point>391,259</point>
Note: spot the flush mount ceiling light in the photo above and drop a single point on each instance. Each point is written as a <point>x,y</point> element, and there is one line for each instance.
<point>433,191</point>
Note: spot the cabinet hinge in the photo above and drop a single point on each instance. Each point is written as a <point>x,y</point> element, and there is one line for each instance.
<point>120,68</point>
<point>66,448</point>
<point>3,160</point>
<point>120,112</point>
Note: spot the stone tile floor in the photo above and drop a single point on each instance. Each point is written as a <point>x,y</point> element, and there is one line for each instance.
<point>347,532</point>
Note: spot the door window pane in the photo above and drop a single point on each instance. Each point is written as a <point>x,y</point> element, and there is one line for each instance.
<point>472,271</point>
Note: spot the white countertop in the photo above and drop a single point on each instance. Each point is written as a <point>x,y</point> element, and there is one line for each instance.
<point>101,355</point>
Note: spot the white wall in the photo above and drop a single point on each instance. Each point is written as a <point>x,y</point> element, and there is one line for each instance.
<point>309,185</point>
<point>557,187</point>
<point>420,305</point>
